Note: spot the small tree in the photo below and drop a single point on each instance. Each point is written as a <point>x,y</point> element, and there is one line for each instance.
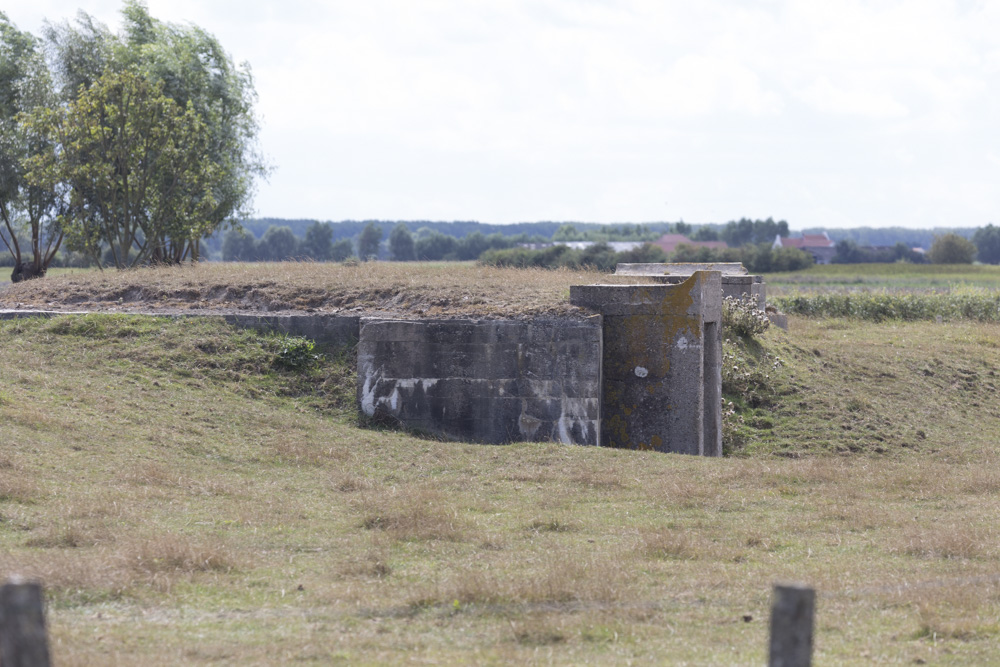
<point>318,243</point>
<point>952,249</point>
<point>238,246</point>
<point>682,228</point>
<point>341,250</point>
<point>705,233</point>
<point>368,242</point>
<point>599,256</point>
<point>278,244</point>
<point>472,246</point>
<point>401,244</point>
<point>987,240</point>
<point>435,246</point>
<point>647,253</point>
<point>567,232</point>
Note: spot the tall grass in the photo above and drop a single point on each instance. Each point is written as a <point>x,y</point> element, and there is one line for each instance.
<point>977,304</point>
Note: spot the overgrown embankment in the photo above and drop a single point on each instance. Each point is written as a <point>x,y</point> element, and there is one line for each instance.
<point>149,352</point>
<point>177,479</point>
<point>845,385</point>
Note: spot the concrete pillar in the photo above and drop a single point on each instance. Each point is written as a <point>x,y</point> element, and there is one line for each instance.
<point>661,384</point>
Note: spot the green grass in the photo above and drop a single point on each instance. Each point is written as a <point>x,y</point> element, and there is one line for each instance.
<point>898,277</point>
<point>880,292</point>
<point>186,498</point>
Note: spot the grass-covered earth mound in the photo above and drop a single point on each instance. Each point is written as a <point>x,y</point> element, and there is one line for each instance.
<point>396,289</point>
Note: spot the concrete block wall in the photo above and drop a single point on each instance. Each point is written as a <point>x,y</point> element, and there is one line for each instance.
<point>484,381</point>
<point>735,280</point>
<point>661,361</point>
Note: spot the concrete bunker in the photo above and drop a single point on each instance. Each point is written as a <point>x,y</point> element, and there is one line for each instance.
<point>736,281</point>
<point>644,374</point>
<point>661,385</point>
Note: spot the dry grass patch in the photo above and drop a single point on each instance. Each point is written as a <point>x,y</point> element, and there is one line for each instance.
<point>609,479</point>
<point>102,572</point>
<point>150,473</point>
<point>373,564</point>
<point>557,577</point>
<point>674,543</point>
<point>15,487</point>
<point>413,513</point>
<point>418,289</point>
<point>937,540</point>
<point>980,480</point>
<point>346,481</point>
<point>552,526</point>
<point>177,554</point>
<point>67,537</point>
<point>301,450</point>
<point>963,611</point>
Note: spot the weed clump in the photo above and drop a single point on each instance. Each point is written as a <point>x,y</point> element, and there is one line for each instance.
<point>747,370</point>
<point>295,353</point>
<point>742,317</point>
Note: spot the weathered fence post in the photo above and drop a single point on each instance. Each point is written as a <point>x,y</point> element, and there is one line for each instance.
<point>23,642</point>
<point>792,626</point>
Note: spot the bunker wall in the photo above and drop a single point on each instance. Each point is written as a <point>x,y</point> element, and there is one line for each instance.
<point>484,381</point>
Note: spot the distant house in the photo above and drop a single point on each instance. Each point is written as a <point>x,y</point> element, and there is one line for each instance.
<point>818,245</point>
<point>669,243</point>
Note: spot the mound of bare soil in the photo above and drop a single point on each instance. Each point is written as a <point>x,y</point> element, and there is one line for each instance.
<point>383,289</point>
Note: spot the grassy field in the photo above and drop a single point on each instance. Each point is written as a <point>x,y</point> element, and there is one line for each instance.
<point>899,277</point>
<point>187,498</point>
<point>189,495</point>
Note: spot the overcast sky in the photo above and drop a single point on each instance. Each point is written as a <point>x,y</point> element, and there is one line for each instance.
<point>829,114</point>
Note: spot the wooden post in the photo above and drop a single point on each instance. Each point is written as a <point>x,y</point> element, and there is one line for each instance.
<point>792,626</point>
<point>23,642</point>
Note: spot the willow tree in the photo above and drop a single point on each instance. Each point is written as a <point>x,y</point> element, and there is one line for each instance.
<point>133,159</point>
<point>199,179</point>
<point>29,215</point>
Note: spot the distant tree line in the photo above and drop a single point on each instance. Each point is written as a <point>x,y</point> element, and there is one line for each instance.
<point>279,243</point>
<point>886,237</point>
<point>849,252</point>
<point>756,257</point>
<point>750,241</point>
<point>599,256</point>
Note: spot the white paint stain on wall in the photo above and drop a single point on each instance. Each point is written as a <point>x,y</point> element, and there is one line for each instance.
<point>574,414</point>
<point>373,380</point>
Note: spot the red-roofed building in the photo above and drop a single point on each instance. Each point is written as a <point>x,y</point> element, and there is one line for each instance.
<point>818,245</point>
<point>669,243</point>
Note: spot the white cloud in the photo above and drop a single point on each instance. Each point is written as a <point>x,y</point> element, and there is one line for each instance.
<point>825,96</point>
<point>852,112</point>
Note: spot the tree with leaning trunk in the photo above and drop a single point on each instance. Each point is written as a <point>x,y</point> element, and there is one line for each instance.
<point>30,216</point>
